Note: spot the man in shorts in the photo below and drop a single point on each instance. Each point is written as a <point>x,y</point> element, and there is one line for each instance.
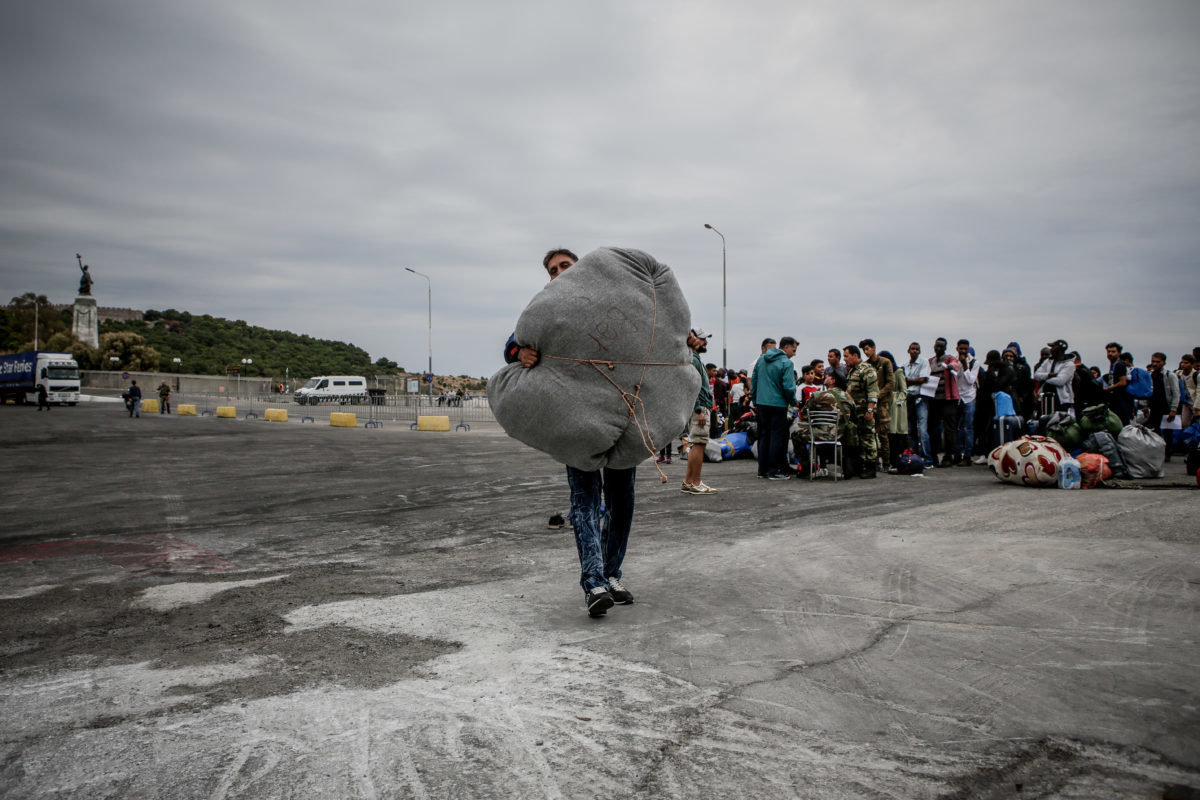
<point>698,423</point>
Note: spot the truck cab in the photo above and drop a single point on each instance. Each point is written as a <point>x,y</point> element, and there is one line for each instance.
<point>20,374</point>
<point>60,375</point>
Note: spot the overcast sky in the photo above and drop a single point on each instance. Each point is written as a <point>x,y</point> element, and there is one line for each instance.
<point>1003,170</point>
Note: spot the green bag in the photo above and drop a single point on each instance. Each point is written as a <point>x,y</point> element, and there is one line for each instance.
<point>1063,429</point>
<point>1100,418</point>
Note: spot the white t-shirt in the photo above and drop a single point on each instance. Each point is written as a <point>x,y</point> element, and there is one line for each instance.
<point>968,382</point>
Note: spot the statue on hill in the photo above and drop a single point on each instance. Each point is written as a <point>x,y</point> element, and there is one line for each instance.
<point>85,281</point>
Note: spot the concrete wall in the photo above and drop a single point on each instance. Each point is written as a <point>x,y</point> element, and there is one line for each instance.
<point>180,383</point>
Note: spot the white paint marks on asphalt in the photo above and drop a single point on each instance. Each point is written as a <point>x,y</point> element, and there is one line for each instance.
<point>28,591</point>
<point>174,595</point>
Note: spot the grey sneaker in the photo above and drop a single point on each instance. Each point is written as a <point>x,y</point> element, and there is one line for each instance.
<point>599,601</point>
<point>619,593</point>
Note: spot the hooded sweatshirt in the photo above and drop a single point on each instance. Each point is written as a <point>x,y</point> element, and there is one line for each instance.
<point>774,380</point>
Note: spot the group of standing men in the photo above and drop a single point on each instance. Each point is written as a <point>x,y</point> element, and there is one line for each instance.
<point>865,376</point>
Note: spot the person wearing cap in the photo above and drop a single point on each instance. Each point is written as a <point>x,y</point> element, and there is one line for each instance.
<point>1058,372</point>
<point>697,341</point>
<point>773,390</point>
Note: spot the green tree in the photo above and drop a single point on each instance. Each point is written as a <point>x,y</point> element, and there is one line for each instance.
<point>209,345</point>
<point>20,316</point>
<point>130,350</point>
<point>86,356</point>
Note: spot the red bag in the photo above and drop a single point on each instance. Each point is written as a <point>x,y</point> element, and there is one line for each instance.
<point>1093,469</point>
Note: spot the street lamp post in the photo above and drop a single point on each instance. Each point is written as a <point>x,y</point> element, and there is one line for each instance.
<point>429,286</point>
<point>724,327</point>
<point>246,362</point>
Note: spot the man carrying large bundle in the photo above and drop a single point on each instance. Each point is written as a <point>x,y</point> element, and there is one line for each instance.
<point>600,377</point>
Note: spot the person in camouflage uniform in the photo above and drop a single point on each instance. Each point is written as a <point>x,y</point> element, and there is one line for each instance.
<point>862,384</point>
<point>832,398</point>
<point>884,372</point>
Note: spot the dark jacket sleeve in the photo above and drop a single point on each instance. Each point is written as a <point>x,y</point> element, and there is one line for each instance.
<point>511,348</point>
<point>1005,379</point>
<point>704,399</point>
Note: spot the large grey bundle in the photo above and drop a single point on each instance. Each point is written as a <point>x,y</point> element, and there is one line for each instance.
<point>615,305</point>
<point>1142,450</point>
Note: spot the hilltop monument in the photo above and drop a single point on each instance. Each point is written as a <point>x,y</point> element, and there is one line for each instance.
<point>86,323</point>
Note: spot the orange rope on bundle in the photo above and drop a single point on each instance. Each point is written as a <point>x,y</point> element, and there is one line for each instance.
<point>633,401</point>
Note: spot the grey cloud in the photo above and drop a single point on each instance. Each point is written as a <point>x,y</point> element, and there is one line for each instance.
<point>904,173</point>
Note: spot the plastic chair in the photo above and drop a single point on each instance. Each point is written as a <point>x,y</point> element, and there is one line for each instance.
<point>823,431</point>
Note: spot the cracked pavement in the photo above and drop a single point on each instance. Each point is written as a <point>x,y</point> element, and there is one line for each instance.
<point>203,608</point>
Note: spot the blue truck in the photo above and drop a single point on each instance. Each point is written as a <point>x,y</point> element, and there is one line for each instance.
<point>20,374</point>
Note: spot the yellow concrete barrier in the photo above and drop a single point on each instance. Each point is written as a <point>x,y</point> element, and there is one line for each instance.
<point>149,406</point>
<point>429,423</point>
<point>185,410</point>
<point>342,419</point>
<point>227,412</point>
<point>275,415</point>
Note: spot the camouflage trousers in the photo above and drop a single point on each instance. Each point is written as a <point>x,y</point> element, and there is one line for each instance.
<point>865,438</point>
<point>883,421</point>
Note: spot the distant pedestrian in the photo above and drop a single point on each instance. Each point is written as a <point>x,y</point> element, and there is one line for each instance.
<point>43,402</point>
<point>135,400</point>
<point>164,398</point>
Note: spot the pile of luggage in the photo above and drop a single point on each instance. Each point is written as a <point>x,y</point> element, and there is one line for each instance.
<point>1070,453</point>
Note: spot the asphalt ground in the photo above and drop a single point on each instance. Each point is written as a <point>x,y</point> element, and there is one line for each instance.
<point>207,608</point>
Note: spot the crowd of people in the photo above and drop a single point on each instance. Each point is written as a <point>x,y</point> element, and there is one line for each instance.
<point>948,408</point>
<point>940,409</point>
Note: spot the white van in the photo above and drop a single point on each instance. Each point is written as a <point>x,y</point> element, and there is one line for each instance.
<point>333,388</point>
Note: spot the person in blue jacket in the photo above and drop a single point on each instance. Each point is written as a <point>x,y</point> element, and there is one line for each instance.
<point>773,390</point>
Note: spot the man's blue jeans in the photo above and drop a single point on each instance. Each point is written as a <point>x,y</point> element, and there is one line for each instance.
<point>966,429</point>
<point>918,425</point>
<point>601,536</point>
